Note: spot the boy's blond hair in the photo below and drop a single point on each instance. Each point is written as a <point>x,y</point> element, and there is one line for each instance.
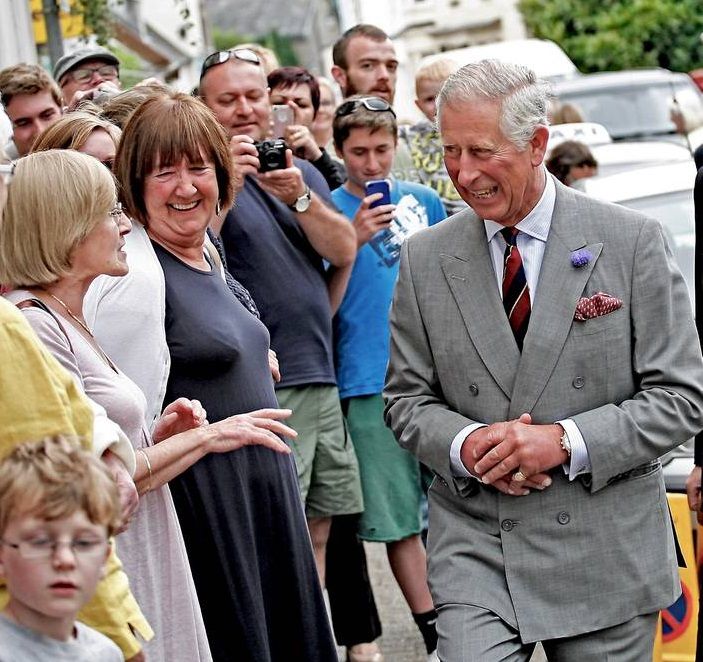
<point>52,479</point>
<point>436,71</point>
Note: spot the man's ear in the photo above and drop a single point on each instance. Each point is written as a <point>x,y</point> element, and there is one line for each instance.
<point>338,152</point>
<point>340,76</point>
<point>538,144</point>
<point>419,106</point>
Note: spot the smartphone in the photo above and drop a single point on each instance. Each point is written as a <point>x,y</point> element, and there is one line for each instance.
<point>379,186</point>
<point>282,117</point>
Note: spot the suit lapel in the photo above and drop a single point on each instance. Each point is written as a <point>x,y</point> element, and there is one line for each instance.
<point>559,288</point>
<point>469,274</point>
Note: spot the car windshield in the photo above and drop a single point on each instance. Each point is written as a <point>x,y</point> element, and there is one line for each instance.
<point>675,212</point>
<point>633,111</point>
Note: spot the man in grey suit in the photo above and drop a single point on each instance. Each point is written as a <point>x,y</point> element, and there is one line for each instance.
<point>543,356</point>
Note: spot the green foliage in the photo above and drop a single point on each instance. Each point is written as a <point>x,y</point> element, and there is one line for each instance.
<point>280,45</point>
<point>96,14</point>
<point>131,67</point>
<point>225,39</point>
<point>283,47</point>
<point>607,35</point>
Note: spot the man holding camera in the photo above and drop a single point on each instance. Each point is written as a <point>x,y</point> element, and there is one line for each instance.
<point>86,73</point>
<point>277,236</point>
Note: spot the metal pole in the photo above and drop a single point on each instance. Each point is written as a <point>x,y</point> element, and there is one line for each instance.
<point>50,9</point>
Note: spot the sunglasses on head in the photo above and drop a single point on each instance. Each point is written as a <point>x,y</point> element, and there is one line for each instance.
<point>220,57</point>
<point>370,103</point>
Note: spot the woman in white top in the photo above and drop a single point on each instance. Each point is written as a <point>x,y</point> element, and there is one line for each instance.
<point>62,229</point>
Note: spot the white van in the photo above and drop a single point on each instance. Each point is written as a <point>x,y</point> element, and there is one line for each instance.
<point>544,57</point>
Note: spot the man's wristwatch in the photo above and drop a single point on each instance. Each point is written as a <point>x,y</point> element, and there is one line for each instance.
<point>303,202</point>
<point>565,443</point>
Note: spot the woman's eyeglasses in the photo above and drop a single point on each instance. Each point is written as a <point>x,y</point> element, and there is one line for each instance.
<point>115,212</point>
<point>370,103</point>
<point>220,57</point>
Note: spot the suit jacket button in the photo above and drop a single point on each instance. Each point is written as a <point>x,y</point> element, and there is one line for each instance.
<point>507,525</point>
<point>563,518</point>
<point>578,382</point>
<point>473,388</point>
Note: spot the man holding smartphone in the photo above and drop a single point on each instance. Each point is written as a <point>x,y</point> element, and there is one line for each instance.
<point>365,136</point>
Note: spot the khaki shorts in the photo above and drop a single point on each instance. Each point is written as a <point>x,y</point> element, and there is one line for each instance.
<point>328,473</point>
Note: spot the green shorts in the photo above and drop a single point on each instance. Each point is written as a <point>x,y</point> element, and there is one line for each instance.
<point>328,473</point>
<point>390,476</point>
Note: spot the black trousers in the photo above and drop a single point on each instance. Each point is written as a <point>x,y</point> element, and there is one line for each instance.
<point>354,614</point>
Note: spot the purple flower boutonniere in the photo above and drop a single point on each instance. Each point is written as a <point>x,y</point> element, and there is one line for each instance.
<point>581,257</point>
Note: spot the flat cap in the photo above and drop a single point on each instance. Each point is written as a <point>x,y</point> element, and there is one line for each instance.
<point>71,60</point>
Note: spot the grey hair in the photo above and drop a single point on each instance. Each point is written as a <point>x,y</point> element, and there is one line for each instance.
<point>524,98</point>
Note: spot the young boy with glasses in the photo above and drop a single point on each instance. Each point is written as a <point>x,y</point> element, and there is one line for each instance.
<point>365,136</point>
<point>58,508</point>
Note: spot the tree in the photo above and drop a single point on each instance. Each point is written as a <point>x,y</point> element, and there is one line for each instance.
<point>96,15</point>
<point>226,39</point>
<point>608,35</point>
<point>281,45</point>
<point>98,20</point>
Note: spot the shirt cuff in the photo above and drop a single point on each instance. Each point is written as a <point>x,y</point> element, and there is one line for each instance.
<point>107,435</point>
<point>579,462</point>
<point>457,466</point>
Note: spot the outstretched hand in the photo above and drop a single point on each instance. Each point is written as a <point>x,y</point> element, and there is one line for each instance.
<point>263,427</point>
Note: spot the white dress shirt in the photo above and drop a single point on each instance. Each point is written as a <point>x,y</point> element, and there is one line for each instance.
<point>531,242</point>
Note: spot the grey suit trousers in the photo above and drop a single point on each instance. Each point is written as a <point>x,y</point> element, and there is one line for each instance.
<point>473,634</point>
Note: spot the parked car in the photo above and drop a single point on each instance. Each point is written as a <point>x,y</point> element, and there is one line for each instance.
<point>637,104</point>
<point>614,157</point>
<point>663,192</point>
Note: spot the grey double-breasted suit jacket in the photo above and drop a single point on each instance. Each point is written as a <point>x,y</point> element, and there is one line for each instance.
<point>581,555</point>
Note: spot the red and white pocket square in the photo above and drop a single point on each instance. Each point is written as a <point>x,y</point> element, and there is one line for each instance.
<point>596,306</point>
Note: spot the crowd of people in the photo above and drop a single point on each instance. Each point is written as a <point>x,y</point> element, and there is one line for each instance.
<point>196,335</point>
<point>190,298</point>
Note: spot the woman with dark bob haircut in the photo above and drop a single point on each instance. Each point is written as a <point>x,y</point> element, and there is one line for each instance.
<point>241,513</point>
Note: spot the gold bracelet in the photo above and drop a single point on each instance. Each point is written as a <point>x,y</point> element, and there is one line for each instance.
<point>148,468</point>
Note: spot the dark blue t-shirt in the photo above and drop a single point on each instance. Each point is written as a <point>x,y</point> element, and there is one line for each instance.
<point>268,252</point>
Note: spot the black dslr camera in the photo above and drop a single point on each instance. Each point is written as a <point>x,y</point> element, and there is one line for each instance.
<point>272,155</point>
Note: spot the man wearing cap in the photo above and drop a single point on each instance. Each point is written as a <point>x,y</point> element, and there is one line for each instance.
<point>84,70</point>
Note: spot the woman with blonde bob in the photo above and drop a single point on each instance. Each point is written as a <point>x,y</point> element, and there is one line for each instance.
<point>62,228</point>
<point>140,349</point>
<point>241,513</point>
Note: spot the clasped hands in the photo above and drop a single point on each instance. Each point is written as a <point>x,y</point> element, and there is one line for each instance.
<point>501,452</point>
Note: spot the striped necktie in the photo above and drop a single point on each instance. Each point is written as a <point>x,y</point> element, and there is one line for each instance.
<point>516,296</point>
